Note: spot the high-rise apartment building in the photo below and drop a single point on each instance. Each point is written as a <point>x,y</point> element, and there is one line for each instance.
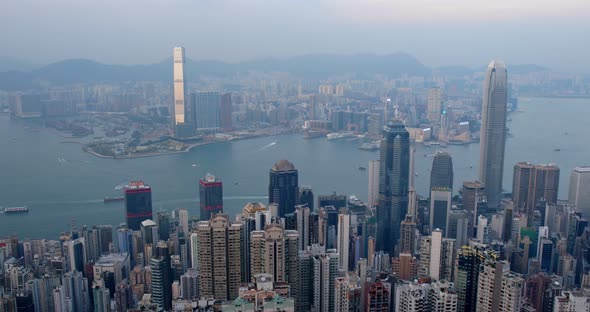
<point>434,105</point>
<point>347,295</point>
<point>303,226</point>
<point>498,289</point>
<point>343,237</point>
<point>441,174</point>
<point>579,196</point>
<point>469,260</point>
<point>183,221</point>
<point>437,296</point>
<point>373,183</point>
<point>407,239</point>
<point>318,270</point>
<point>220,257</point>
<point>283,188</point>
<point>436,257</point>
<point>394,167</point>
<point>274,251</point>
<point>210,196</point>
<point>493,131</point>
<point>138,204</point>
<point>378,296</point>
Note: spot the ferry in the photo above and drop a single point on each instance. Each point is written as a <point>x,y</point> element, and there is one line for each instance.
<point>338,136</point>
<point>311,134</point>
<point>23,209</point>
<point>113,199</point>
<point>369,146</point>
<point>361,168</point>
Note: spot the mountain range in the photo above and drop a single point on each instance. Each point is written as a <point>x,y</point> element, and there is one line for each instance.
<point>306,66</point>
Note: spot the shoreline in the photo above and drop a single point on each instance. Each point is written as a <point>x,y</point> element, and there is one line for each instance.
<point>188,149</point>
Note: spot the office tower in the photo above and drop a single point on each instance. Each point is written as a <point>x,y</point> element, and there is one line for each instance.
<point>183,219</point>
<point>532,183</point>
<point>283,188</point>
<point>343,237</point>
<point>521,182</point>
<point>405,266</point>
<point>210,196</point>
<point>105,238</point>
<point>472,196</point>
<point>189,285</point>
<point>441,175</point>
<point>303,226</point>
<point>334,200</point>
<point>206,110</point>
<point>407,239</point>
<point>493,131</point>
<point>318,269</point>
<point>306,197</point>
<point>469,260</point>
<point>440,205</point>
<point>498,289</point>
<point>579,196</point>
<point>101,296</point>
<point>274,251</point>
<point>179,87</point>
<point>161,276</point>
<point>220,257</point>
<point>115,263</point>
<point>458,222</point>
<point>138,204</point>
<point>434,105</point>
<point>76,288</point>
<point>75,254</point>
<point>225,111</point>
<point>163,222</point>
<point>393,184</point>
<point>149,233</point>
<point>373,183</point>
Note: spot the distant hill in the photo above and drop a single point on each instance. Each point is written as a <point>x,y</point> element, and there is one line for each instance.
<point>316,66</point>
<point>306,66</point>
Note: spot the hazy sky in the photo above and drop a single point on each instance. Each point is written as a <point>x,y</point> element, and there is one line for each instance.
<point>438,32</point>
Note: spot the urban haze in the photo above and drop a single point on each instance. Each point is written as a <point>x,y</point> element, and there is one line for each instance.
<point>314,155</point>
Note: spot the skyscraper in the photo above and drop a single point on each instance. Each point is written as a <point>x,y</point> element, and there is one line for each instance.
<point>274,251</point>
<point>283,188</point>
<point>161,277</point>
<point>532,183</point>
<point>318,269</point>
<point>183,222</point>
<point>498,289</point>
<point>440,207</point>
<point>138,204</point>
<point>579,196</point>
<point>210,196</point>
<point>473,194</point>
<point>373,183</point>
<point>343,238</point>
<point>179,87</point>
<point>441,175</point>
<point>225,111</point>
<point>219,257</point>
<point>394,167</point>
<point>434,105</point>
<point>206,109</point>
<point>493,131</point>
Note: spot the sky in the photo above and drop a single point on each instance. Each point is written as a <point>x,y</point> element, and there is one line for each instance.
<point>551,33</point>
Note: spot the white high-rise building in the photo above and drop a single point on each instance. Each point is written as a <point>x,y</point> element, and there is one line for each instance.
<point>435,249</point>
<point>436,257</point>
<point>498,289</point>
<point>483,230</point>
<point>183,221</point>
<point>179,86</point>
<point>373,183</point>
<point>493,131</point>
<point>579,190</point>
<point>194,242</point>
<point>343,238</point>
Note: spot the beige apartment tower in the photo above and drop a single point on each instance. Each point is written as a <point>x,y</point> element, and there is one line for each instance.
<point>179,87</point>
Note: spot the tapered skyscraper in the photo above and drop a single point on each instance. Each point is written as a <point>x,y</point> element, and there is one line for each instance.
<point>493,131</point>
<point>441,175</point>
<point>179,87</point>
<point>283,188</point>
<point>394,174</point>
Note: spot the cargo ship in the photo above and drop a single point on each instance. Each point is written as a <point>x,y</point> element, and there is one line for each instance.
<point>23,209</point>
<point>113,199</point>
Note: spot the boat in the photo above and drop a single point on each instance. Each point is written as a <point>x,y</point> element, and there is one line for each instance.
<point>338,136</point>
<point>236,183</point>
<point>113,199</point>
<point>557,150</point>
<point>369,146</point>
<point>361,168</point>
<point>311,134</point>
<point>23,209</point>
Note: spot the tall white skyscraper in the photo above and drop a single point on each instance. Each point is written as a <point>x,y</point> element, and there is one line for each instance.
<point>183,221</point>
<point>179,87</point>
<point>435,252</point>
<point>579,191</point>
<point>343,238</point>
<point>373,183</point>
<point>194,242</point>
<point>493,131</point>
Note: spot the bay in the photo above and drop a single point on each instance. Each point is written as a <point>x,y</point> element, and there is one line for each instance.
<point>64,186</point>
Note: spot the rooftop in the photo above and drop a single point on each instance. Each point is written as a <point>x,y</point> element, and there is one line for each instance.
<point>283,165</point>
